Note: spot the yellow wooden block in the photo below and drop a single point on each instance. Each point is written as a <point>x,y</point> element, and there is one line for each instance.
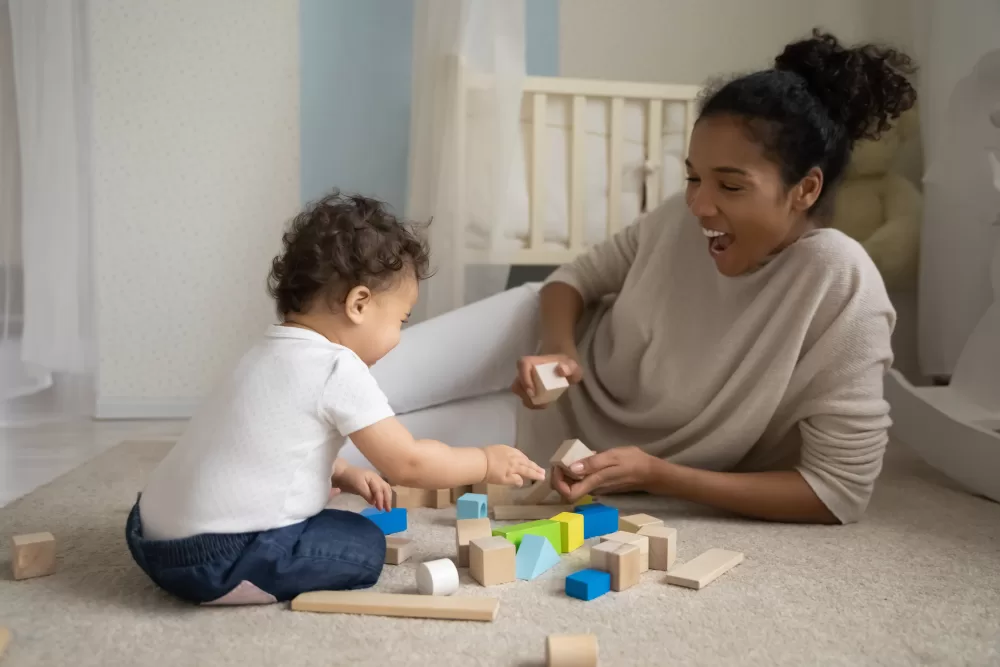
<point>571,529</point>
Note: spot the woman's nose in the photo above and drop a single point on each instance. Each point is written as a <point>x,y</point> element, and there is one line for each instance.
<point>701,204</point>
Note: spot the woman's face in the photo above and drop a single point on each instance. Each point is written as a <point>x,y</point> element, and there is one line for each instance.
<point>745,209</point>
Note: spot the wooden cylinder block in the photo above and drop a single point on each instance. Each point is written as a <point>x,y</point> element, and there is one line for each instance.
<point>437,577</point>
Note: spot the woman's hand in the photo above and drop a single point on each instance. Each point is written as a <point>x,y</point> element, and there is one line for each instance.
<point>523,384</point>
<point>367,484</point>
<point>615,471</point>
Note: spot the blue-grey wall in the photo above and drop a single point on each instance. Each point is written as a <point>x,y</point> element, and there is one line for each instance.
<point>355,95</point>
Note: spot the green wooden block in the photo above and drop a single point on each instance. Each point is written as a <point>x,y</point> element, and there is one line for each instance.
<point>547,528</point>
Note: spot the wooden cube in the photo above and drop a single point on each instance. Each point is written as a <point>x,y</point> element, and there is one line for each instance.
<point>496,494</point>
<point>397,549</point>
<point>492,560</point>
<point>460,491</point>
<point>640,541</point>
<point>624,566</point>
<point>569,453</point>
<point>33,555</point>
<point>634,522</point>
<point>548,385</point>
<point>467,530</point>
<point>571,651</point>
<point>406,498</point>
<point>436,498</point>
<point>600,555</point>
<point>571,525</point>
<point>662,546</point>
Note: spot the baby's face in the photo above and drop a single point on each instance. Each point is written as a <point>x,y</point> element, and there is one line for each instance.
<point>383,322</point>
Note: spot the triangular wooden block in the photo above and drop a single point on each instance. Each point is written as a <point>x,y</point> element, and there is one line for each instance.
<point>535,556</point>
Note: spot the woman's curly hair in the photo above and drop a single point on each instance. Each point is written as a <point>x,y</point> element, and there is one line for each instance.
<point>338,243</point>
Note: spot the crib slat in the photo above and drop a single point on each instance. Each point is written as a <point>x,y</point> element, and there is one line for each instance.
<point>690,114</point>
<point>577,183</point>
<point>615,166</point>
<point>538,193</point>
<point>654,153</point>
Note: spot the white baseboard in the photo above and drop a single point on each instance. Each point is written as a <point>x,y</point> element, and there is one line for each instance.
<point>121,407</point>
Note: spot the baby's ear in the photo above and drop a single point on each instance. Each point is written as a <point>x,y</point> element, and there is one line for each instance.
<point>357,302</point>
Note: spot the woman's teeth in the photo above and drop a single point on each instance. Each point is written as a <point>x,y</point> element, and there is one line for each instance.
<point>712,233</point>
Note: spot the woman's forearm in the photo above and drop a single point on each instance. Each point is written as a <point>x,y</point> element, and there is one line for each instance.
<point>780,495</point>
<point>560,309</point>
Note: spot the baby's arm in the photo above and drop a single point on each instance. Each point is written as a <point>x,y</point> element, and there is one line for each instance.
<point>430,464</point>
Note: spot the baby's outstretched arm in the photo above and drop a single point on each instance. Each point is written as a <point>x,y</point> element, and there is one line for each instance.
<point>430,464</point>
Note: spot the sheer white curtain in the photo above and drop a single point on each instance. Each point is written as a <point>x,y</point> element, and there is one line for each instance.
<point>46,328</point>
<point>484,39</point>
<point>950,38</point>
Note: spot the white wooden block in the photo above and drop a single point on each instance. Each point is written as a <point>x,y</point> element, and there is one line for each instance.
<point>548,385</point>
<point>569,453</point>
<point>437,577</point>
<point>704,569</point>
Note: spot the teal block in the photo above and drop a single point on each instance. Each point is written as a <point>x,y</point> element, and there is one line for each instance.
<point>471,506</point>
<point>535,556</point>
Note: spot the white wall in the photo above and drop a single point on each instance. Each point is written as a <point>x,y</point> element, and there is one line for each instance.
<point>196,164</point>
<point>689,41</point>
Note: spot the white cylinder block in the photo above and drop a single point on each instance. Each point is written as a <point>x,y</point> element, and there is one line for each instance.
<point>437,577</point>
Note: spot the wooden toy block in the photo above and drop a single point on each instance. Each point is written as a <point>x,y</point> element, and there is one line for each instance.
<point>640,541</point>
<point>437,577</point>
<point>397,549</point>
<point>704,569</point>
<point>496,494</point>
<point>600,555</point>
<point>527,512</point>
<point>456,608</point>
<point>662,546</point>
<point>571,531</point>
<point>598,519</point>
<point>536,494</point>
<point>623,563</point>
<point>471,506</point>
<point>4,640</point>
<point>547,528</point>
<point>403,497</point>
<point>492,561</point>
<point>569,453</point>
<point>467,530</point>
<point>436,498</point>
<point>460,491</point>
<point>535,556</point>
<point>634,522</point>
<point>571,651</point>
<point>393,521</point>
<point>548,385</point>
<point>33,555</point>
<point>588,584</point>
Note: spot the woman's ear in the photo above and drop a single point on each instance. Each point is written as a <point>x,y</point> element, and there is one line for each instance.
<point>805,194</point>
<point>357,302</point>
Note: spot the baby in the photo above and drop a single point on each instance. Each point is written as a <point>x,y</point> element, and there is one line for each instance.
<point>235,512</point>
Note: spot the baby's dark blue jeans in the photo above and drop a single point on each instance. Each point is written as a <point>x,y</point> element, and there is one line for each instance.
<point>334,550</point>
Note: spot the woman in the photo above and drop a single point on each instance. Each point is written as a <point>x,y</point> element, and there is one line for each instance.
<point>730,352</point>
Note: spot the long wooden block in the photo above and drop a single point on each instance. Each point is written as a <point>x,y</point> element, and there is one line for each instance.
<point>571,651</point>
<point>704,569</point>
<point>662,546</point>
<point>528,512</point>
<point>4,640</point>
<point>455,608</point>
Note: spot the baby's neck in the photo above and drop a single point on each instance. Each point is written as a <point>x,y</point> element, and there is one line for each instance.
<point>324,326</point>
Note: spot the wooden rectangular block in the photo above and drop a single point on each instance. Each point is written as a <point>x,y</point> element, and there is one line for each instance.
<point>571,528</point>
<point>33,555</point>
<point>548,385</point>
<point>569,453</point>
<point>571,651</point>
<point>450,607</point>
<point>640,541</point>
<point>662,546</point>
<point>460,491</point>
<point>492,561</point>
<point>528,512</point>
<point>4,640</point>
<point>634,522</point>
<point>397,549</point>
<point>624,566</point>
<point>467,530</point>
<point>704,569</point>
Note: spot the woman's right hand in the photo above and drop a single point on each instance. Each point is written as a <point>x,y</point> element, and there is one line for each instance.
<point>523,384</point>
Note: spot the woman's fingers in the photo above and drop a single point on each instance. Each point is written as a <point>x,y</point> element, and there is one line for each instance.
<point>524,376</point>
<point>559,482</point>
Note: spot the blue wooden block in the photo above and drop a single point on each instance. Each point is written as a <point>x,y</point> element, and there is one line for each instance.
<point>535,556</point>
<point>588,584</point>
<point>471,506</point>
<point>393,521</point>
<point>598,519</point>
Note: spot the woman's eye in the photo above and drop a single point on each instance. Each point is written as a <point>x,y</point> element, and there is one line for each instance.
<point>730,188</point>
<point>692,179</point>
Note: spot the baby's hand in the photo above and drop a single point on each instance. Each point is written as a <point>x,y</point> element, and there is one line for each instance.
<point>367,484</point>
<point>509,466</point>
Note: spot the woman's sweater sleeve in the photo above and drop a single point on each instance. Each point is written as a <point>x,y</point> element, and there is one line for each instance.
<point>602,269</point>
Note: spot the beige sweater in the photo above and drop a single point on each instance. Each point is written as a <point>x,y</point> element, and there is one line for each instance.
<point>776,369</point>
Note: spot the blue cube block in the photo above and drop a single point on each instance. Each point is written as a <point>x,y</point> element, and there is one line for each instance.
<point>588,584</point>
<point>393,521</point>
<point>471,506</point>
<point>598,519</point>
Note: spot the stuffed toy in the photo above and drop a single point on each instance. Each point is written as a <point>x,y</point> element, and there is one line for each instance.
<point>880,208</point>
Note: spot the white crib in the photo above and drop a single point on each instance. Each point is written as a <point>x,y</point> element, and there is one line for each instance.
<point>593,156</point>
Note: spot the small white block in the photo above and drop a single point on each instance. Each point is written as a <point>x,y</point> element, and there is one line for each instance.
<point>437,577</point>
<point>704,569</point>
<point>548,385</point>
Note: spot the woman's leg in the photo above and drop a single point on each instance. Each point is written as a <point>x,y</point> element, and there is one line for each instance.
<point>468,352</point>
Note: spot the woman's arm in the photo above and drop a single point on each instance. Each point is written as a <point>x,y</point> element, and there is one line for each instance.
<point>560,309</point>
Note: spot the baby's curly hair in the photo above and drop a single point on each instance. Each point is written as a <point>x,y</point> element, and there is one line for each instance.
<point>338,243</point>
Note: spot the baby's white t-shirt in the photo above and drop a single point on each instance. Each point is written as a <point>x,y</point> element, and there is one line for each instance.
<point>259,454</point>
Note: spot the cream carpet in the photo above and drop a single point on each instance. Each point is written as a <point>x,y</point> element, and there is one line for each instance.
<point>916,583</point>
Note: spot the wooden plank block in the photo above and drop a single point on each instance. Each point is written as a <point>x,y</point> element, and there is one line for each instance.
<point>452,607</point>
<point>33,555</point>
<point>492,561</point>
<point>578,165</point>
<point>467,530</point>
<point>633,522</point>
<point>397,549</point>
<point>662,546</point>
<point>538,169</point>
<point>704,569</point>
<point>4,640</point>
<point>528,512</point>
<point>616,150</point>
<point>571,651</point>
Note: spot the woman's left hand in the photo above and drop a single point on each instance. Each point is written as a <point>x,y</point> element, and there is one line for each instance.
<point>617,470</point>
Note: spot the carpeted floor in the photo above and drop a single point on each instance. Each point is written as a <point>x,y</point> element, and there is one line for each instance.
<point>916,583</point>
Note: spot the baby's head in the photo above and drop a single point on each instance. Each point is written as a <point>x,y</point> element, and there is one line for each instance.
<point>349,270</point>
